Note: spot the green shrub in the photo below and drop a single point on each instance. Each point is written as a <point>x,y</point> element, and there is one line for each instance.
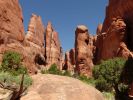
<point>102,85</point>
<point>108,74</point>
<point>108,96</point>
<point>85,79</point>
<point>10,80</point>
<point>12,63</point>
<point>12,69</point>
<point>66,73</point>
<point>43,71</point>
<point>54,70</point>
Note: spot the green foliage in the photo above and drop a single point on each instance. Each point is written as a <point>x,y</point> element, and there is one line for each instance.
<point>108,73</point>
<point>11,60</point>
<point>122,87</point>
<point>10,80</point>
<point>12,63</point>
<point>43,71</point>
<point>102,85</point>
<point>66,73</point>
<point>11,70</point>
<point>108,96</point>
<point>54,70</point>
<point>86,79</point>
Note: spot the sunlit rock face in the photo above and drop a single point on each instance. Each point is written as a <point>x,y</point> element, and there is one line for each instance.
<point>11,27</point>
<point>48,36</point>
<point>36,30</point>
<point>116,38</point>
<point>53,49</point>
<point>11,21</point>
<point>99,29</point>
<point>123,9</point>
<point>83,51</point>
<point>108,43</point>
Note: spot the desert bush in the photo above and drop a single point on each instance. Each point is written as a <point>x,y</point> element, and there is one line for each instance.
<point>66,73</point>
<point>12,63</point>
<point>108,75</point>
<point>11,80</point>
<point>52,70</point>
<point>13,75</point>
<point>108,96</point>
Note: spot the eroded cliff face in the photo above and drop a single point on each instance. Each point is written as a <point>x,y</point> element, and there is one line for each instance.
<point>11,21</point>
<point>116,38</point>
<point>53,49</point>
<point>123,9</point>
<point>34,43</point>
<point>30,46</point>
<point>83,51</point>
<point>108,43</point>
<point>36,30</point>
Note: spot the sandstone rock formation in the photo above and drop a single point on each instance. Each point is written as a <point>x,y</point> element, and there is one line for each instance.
<point>117,28</point>
<point>11,28</point>
<point>54,87</point>
<point>53,49</point>
<point>83,51</point>
<point>11,21</point>
<point>34,42</point>
<point>48,36</point>
<point>72,56</point>
<point>31,45</point>
<point>36,30</point>
<point>28,49</point>
<point>12,36</point>
<point>99,29</point>
<point>109,42</point>
<point>69,63</point>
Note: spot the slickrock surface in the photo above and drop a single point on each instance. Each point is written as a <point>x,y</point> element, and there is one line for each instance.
<point>53,87</point>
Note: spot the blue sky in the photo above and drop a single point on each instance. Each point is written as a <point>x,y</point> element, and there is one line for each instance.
<point>65,15</point>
